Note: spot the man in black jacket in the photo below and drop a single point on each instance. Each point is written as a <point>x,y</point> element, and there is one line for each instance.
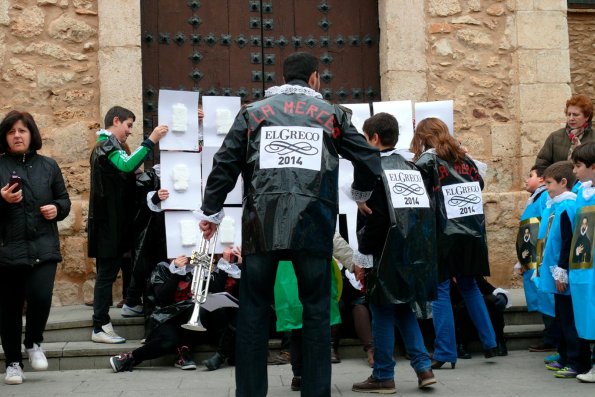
<point>286,147</point>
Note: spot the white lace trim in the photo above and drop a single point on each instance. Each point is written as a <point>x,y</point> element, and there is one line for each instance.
<point>531,199</point>
<point>230,268</point>
<point>360,196</point>
<point>363,261</point>
<point>559,198</point>
<point>292,89</point>
<point>559,274</point>
<point>182,271</point>
<point>103,132</point>
<point>215,218</point>
<point>506,294</point>
<point>153,207</point>
<point>588,190</point>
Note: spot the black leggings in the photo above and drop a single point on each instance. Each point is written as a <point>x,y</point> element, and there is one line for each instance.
<point>34,284</point>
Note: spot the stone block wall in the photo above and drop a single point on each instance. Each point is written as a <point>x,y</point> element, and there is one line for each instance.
<point>581,30</point>
<point>49,67</point>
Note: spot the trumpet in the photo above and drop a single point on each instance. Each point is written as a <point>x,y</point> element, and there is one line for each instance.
<point>202,260</point>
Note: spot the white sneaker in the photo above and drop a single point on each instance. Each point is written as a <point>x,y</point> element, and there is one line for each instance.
<point>107,335</point>
<point>37,358</point>
<point>589,377</point>
<point>14,374</point>
<point>132,311</point>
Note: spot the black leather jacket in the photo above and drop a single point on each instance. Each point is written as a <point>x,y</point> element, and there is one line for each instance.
<point>26,237</point>
<point>288,206</point>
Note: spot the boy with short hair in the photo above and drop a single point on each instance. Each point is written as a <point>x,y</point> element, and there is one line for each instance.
<point>553,271</point>
<point>401,269</point>
<point>581,275</point>
<point>111,204</point>
<point>526,247</point>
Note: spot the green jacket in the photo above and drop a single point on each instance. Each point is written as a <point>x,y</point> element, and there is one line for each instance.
<point>557,145</point>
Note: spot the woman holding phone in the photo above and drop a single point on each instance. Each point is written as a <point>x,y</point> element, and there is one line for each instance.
<point>33,200</point>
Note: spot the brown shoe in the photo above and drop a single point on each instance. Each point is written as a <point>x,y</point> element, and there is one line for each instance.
<point>373,385</point>
<point>425,379</point>
<point>280,359</point>
<point>335,358</point>
<point>543,347</point>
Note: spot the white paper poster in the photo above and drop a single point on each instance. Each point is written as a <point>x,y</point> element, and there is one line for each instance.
<point>403,112</point>
<point>223,239</point>
<point>360,113</point>
<point>235,196</point>
<point>442,110</point>
<point>220,112</point>
<point>181,176</point>
<point>179,111</point>
<point>462,199</point>
<point>181,237</point>
<point>347,205</point>
<point>291,146</point>
<point>407,189</point>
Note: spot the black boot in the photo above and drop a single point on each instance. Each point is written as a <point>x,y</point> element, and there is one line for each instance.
<point>214,362</point>
<point>501,348</point>
<point>462,351</point>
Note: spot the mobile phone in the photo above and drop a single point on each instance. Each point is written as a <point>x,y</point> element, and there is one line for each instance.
<point>15,180</point>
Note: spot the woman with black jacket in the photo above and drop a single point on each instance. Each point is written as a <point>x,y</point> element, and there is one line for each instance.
<point>33,200</point>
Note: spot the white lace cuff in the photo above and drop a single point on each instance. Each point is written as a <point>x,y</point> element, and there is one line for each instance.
<point>230,268</point>
<point>153,207</point>
<point>179,270</point>
<point>360,196</point>
<point>215,218</point>
<point>505,293</point>
<point>559,274</point>
<point>363,261</point>
<point>292,89</point>
<point>517,266</point>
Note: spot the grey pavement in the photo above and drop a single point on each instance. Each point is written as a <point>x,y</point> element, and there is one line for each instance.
<point>520,374</point>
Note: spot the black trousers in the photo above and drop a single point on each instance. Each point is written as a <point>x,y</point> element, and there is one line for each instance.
<point>35,285</point>
<point>107,270</point>
<point>256,297</point>
<point>574,352</point>
<point>165,339</point>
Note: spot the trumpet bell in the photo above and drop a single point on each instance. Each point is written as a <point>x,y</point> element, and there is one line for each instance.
<point>194,327</point>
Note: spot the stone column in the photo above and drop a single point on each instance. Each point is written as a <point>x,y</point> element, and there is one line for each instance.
<point>403,66</point>
<point>120,61</point>
<point>543,70</point>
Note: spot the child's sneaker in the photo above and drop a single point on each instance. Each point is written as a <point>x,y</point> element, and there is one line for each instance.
<point>14,374</point>
<point>551,358</point>
<point>37,358</point>
<point>106,335</point>
<point>184,360</point>
<point>132,311</point>
<point>566,373</point>
<point>122,362</point>
<point>589,377</point>
<point>554,366</point>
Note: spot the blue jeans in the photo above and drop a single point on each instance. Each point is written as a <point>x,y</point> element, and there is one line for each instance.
<point>445,345</point>
<point>256,297</point>
<point>384,319</point>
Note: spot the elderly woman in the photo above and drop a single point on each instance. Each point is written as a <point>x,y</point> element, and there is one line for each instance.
<point>560,144</point>
<point>33,200</point>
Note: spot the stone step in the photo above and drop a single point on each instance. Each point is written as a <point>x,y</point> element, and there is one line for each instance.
<point>88,355</point>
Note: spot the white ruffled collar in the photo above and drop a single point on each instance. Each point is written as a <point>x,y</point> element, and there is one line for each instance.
<point>588,190</point>
<point>292,89</point>
<point>103,132</point>
<point>559,198</point>
<point>536,193</point>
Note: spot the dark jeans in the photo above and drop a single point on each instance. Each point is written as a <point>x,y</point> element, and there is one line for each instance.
<point>19,284</point>
<point>574,352</point>
<point>165,339</point>
<point>107,270</point>
<point>256,296</point>
<point>551,332</point>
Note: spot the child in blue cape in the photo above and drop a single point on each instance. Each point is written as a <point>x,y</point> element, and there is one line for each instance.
<point>527,255</point>
<point>581,275</point>
<point>553,271</point>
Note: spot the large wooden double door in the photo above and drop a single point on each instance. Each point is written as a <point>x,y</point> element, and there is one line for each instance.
<point>237,47</point>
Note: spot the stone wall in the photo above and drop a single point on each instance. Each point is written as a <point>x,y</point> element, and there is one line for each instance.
<point>508,79</point>
<point>48,67</point>
<point>581,30</point>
